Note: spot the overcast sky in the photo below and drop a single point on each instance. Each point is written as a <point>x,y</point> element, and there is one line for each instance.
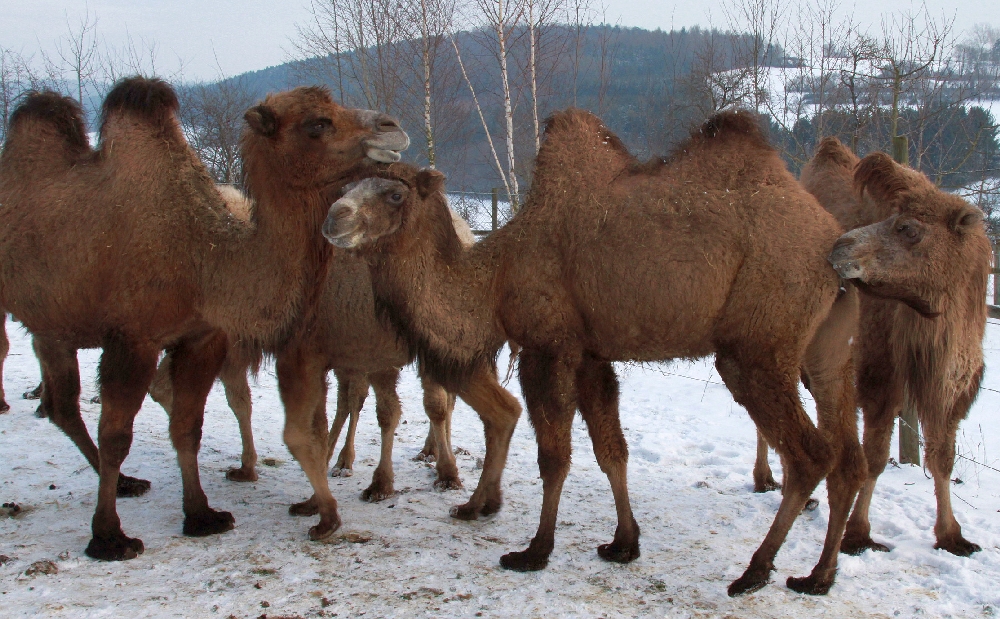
<point>227,37</point>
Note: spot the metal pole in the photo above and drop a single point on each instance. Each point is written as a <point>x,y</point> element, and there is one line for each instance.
<point>496,200</point>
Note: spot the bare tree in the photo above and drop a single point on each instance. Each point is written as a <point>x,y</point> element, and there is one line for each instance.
<point>212,117</point>
<point>16,77</point>
<point>761,21</point>
<point>500,19</point>
<point>76,53</point>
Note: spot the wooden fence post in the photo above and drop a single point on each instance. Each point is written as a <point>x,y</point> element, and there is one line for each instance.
<point>909,431</point>
<point>496,200</point>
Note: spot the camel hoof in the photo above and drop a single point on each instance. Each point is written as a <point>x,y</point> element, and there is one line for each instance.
<point>625,553</point>
<point>240,474</point>
<point>425,456</point>
<point>465,511</point>
<point>754,579</point>
<point>491,507</point>
<point>856,545</point>
<point>524,561</point>
<point>132,486</point>
<point>768,485</point>
<point>309,507</point>
<point>452,483</point>
<point>117,548</point>
<point>40,412</point>
<point>341,472</point>
<point>323,530</point>
<point>377,492</point>
<point>811,505</point>
<point>208,523</point>
<point>96,399</point>
<point>33,394</point>
<point>810,585</point>
<point>960,547</point>
<point>4,407</point>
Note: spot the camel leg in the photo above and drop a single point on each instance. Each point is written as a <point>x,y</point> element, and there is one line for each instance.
<point>388,412</point>
<point>352,391</point>
<point>194,366</point>
<point>4,349</point>
<point>830,368</point>
<point>302,385</point>
<point>763,478</point>
<point>598,400</point>
<point>439,405</point>
<point>880,393</point>
<point>939,433</point>
<point>499,411</point>
<point>62,400</point>
<point>549,389</point>
<point>125,371</point>
<point>234,381</point>
<point>770,395</point>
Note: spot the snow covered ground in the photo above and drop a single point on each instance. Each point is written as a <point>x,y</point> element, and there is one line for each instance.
<point>692,451</point>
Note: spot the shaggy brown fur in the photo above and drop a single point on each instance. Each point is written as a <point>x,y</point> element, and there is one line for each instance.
<point>570,281</point>
<point>4,349</point>
<point>931,253</point>
<point>362,351</point>
<point>131,249</point>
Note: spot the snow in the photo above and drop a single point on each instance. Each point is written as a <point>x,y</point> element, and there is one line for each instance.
<point>692,452</point>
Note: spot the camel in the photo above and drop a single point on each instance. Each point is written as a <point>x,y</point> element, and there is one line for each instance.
<point>141,254</point>
<point>732,260</point>
<point>922,259</point>
<point>362,352</point>
<point>4,349</point>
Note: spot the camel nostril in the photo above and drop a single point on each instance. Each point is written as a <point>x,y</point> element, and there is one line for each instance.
<point>386,124</point>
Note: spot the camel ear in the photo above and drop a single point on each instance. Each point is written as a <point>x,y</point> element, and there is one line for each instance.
<point>262,119</point>
<point>882,177</point>
<point>966,220</point>
<point>429,181</point>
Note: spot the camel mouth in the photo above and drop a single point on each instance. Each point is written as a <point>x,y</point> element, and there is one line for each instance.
<point>848,269</point>
<point>383,155</point>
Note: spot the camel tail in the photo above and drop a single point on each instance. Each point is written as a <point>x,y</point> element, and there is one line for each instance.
<point>60,114</point>
<point>149,98</point>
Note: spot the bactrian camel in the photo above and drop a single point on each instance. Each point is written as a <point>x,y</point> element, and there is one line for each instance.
<point>716,249</point>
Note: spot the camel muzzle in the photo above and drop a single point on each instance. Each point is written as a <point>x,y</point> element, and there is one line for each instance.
<point>390,139</point>
<point>338,228</point>
<point>844,260</point>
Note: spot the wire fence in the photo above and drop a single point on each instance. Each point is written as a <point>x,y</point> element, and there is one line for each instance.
<point>484,210</point>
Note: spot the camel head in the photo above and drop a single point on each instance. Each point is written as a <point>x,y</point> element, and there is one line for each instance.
<point>919,251</point>
<point>315,142</point>
<point>376,208</point>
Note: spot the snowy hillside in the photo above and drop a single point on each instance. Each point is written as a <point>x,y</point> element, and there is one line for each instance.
<point>692,451</point>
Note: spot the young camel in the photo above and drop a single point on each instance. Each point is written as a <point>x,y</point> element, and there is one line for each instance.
<point>363,352</point>
<point>141,255</point>
<point>732,260</point>
<point>922,260</point>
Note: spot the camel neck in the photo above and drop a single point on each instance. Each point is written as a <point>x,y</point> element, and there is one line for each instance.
<point>439,297</point>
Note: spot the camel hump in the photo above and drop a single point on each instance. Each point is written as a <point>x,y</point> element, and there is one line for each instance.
<point>63,114</point>
<point>831,150</point>
<point>732,122</point>
<point>151,98</point>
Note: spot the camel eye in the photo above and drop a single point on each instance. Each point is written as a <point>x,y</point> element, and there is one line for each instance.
<point>908,231</point>
<point>396,198</point>
<point>316,128</point>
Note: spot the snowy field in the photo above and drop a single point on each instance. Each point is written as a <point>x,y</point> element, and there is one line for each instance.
<point>691,456</point>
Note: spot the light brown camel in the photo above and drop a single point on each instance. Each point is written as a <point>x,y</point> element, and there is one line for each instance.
<point>363,352</point>
<point>922,260</point>
<point>731,259</point>
<point>130,248</point>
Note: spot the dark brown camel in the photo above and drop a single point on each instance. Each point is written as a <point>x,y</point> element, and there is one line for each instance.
<point>4,349</point>
<point>922,260</point>
<point>731,259</point>
<point>130,248</point>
